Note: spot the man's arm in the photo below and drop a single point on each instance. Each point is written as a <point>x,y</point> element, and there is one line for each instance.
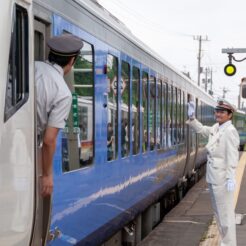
<point>48,150</point>
<point>199,127</point>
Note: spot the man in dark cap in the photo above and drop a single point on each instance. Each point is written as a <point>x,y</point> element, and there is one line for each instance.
<point>222,160</point>
<point>54,99</point>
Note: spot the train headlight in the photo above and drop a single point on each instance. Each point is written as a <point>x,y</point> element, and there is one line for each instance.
<point>230,69</point>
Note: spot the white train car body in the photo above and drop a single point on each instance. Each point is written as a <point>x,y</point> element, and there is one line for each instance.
<point>17,120</point>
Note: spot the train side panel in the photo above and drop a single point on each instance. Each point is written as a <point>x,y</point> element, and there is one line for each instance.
<point>17,134</point>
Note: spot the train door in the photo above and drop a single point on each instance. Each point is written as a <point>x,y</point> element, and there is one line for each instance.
<point>17,159</point>
<point>43,205</point>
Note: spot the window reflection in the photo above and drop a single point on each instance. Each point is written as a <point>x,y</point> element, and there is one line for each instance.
<point>135,110</point>
<point>169,116</point>
<point>164,115</point>
<point>84,88</point>
<point>174,121</point>
<point>125,108</point>
<point>144,111</point>
<point>152,112</point>
<point>159,115</point>
<point>112,126</point>
<point>77,141</point>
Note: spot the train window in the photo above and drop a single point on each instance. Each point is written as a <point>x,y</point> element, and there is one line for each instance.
<point>159,115</point>
<point>164,115</point>
<point>144,111</point>
<point>84,88</point>
<point>39,46</point>
<point>169,116</point>
<point>40,30</point>
<point>174,115</point>
<point>112,129</point>
<point>17,90</point>
<point>182,104</point>
<point>152,112</point>
<point>78,135</point>
<point>178,129</point>
<point>199,117</point>
<point>135,110</point>
<point>125,108</point>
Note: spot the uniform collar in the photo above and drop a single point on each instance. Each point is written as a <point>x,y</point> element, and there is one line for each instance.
<point>224,125</point>
<point>57,67</point>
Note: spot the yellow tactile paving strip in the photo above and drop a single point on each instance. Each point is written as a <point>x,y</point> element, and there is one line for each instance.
<point>211,237</point>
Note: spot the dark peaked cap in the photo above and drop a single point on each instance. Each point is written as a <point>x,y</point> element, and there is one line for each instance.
<point>65,45</point>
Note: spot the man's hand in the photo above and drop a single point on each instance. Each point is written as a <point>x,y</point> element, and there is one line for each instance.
<point>48,151</point>
<point>46,185</point>
<point>191,109</point>
<point>230,185</point>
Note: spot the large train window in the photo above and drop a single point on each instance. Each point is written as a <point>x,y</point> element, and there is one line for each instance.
<point>84,88</point>
<point>78,137</point>
<point>135,110</point>
<point>144,111</point>
<point>152,112</point>
<point>125,108</point>
<point>112,129</point>
<point>17,90</point>
<point>159,115</point>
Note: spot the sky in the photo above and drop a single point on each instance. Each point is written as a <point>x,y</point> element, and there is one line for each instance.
<point>169,27</point>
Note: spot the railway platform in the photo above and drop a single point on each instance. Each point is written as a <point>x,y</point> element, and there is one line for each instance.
<point>191,222</point>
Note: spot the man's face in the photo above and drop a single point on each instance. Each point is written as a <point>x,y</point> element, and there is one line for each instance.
<point>222,116</point>
<point>69,66</point>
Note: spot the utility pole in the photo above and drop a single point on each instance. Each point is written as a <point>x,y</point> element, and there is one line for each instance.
<point>211,82</point>
<point>206,78</point>
<point>200,39</point>
<point>224,92</point>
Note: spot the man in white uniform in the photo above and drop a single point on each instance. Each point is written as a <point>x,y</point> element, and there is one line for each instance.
<point>54,99</point>
<point>222,159</point>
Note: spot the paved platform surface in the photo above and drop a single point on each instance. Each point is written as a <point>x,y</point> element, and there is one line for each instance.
<point>191,222</point>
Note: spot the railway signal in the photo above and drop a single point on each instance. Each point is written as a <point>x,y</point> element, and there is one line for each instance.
<point>230,69</point>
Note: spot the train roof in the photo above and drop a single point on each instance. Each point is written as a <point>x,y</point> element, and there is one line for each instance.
<point>99,22</point>
<point>98,10</point>
<point>120,27</point>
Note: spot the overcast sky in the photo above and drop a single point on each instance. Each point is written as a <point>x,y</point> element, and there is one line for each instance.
<point>168,27</point>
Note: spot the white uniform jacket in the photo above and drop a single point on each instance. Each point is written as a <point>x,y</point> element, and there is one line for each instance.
<point>222,150</point>
<point>53,96</point>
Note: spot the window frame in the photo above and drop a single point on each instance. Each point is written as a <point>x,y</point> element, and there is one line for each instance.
<point>10,110</point>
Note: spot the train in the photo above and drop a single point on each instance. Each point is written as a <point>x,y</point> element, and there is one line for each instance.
<point>125,154</point>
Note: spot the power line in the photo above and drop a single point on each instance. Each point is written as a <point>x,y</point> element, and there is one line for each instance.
<point>144,19</point>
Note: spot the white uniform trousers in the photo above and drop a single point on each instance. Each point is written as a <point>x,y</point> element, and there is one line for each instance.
<point>223,206</point>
